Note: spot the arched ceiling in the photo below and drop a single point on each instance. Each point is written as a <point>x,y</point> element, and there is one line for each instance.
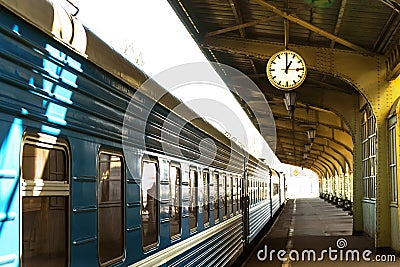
<point>230,31</point>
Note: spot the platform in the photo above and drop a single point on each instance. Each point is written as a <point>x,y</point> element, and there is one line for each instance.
<point>313,224</point>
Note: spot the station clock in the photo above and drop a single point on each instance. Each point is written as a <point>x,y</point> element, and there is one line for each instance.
<point>286,70</point>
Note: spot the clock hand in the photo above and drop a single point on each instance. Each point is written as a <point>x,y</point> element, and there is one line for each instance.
<point>296,69</point>
<point>287,67</point>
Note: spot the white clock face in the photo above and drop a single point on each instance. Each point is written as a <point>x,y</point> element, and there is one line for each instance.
<point>286,70</point>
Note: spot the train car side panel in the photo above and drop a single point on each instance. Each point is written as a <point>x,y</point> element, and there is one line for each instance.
<point>10,140</point>
<point>83,202</point>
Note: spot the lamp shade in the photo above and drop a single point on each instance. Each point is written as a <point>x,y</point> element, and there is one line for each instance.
<point>290,101</point>
<point>308,148</point>
<point>311,134</point>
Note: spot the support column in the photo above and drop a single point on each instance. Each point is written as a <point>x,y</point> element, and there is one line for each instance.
<point>321,185</point>
<point>385,95</point>
<point>357,177</point>
<point>382,237</point>
<point>351,184</point>
<point>342,187</point>
<point>397,171</point>
<point>334,185</point>
<point>345,185</point>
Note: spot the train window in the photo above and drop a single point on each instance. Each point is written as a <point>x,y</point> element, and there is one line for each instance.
<point>239,194</point>
<point>262,184</point>
<point>149,199</point>
<point>252,191</point>
<point>43,164</point>
<point>206,193</point>
<point>110,205</point>
<point>222,194</point>
<point>216,197</point>
<point>266,190</point>
<point>234,195</point>
<point>261,190</point>
<point>193,200</point>
<point>228,195</point>
<point>45,198</point>
<point>174,201</point>
<point>257,191</point>
<point>275,189</point>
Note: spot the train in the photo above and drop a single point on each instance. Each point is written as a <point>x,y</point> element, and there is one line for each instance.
<point>75,191</point>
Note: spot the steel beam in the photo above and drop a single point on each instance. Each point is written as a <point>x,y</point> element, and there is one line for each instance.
<point>312,27</point>
<point>339,20</point>
<point>239,26</point>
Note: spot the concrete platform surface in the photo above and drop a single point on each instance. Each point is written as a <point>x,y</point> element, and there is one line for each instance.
<point>312,232</point>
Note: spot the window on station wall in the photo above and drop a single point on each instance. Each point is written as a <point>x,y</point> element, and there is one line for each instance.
<point>216,196</point>
<point>149,206</point>
<point>193,198</point>
<point>110,208</point>
<point>368,153</point>
<point>45,201</point>
<point>206,194</point>
<point>175,201</point>
<point>393,160</point>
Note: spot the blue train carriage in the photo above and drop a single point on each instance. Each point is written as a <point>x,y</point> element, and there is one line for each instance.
<point>67,196</point>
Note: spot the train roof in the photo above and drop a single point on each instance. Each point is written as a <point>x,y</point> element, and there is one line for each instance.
<point>65,28</point>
